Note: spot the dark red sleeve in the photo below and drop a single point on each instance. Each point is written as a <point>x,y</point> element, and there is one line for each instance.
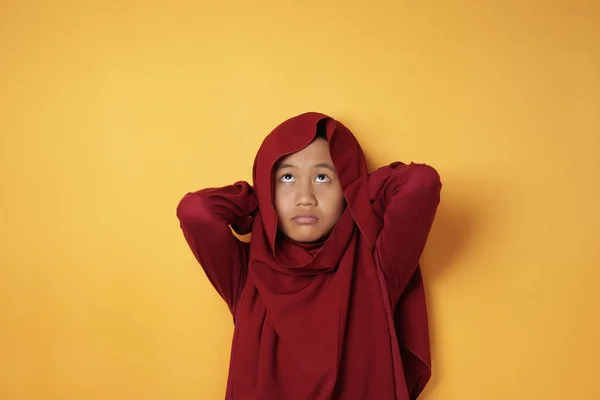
<point>205,218</point>
<point>407,196</point>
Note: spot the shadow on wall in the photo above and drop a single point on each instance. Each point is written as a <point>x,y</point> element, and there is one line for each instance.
<point>458,219</point>
<point>453,228</point>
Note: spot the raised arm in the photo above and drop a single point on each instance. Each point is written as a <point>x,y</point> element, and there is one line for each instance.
<point>205,218</point>
<point>407,197</point>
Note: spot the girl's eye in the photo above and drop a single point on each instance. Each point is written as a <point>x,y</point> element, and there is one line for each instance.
<point>322,178</point>
<point>287,178</point>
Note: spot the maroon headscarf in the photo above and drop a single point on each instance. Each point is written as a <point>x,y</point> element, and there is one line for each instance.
<point>315,321</point>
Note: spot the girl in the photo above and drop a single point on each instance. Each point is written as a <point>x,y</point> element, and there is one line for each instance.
<point>327,298</point>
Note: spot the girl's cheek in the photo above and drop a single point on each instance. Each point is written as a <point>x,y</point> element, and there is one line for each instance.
<point>283,198</point>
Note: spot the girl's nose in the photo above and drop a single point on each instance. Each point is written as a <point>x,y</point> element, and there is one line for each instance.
<point>305,196</point>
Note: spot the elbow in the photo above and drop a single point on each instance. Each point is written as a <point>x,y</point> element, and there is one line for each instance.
<point>427,180</point>
<point>193,210</point>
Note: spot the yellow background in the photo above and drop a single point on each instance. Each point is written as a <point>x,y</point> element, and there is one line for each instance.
<point>109,113</point>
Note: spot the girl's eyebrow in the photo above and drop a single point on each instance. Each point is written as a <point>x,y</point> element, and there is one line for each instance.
<point>324,165</point>
<point>318,165</point>
<point>281,166</point>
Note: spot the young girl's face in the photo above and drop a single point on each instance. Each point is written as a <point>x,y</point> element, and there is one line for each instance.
<point>308,194</point>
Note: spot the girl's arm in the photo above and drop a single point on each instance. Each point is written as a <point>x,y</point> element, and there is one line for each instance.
<point>205,218</point>
<point>407,197</point>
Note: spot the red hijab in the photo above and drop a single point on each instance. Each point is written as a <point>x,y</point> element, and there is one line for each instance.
<point>315,321</point>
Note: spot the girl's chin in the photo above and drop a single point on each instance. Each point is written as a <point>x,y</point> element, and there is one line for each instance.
<point>307,239</point>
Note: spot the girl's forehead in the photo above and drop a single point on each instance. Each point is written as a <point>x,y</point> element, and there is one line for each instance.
<point>315,153</point>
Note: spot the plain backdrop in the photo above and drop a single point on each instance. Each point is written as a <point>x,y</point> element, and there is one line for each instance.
<point>111,111</point>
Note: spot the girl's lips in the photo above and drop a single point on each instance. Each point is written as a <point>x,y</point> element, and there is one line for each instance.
<point>305,219</point>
